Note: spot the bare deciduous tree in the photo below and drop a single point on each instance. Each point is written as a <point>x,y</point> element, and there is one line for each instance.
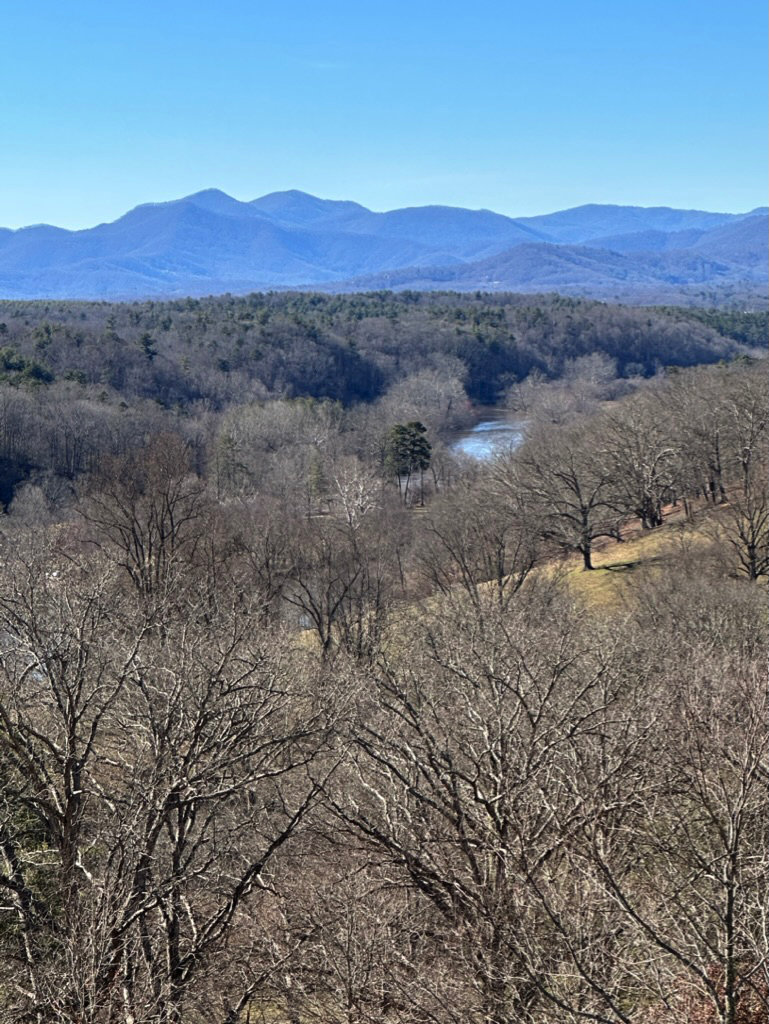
<point>569,485</point>
<point>145,511</point>
<point>151,778</point>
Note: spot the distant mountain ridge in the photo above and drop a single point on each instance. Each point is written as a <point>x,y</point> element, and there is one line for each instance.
<point>210,242</point>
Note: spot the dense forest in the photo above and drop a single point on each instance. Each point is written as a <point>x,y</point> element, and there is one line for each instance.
<point>304,717</point>
<point>348,348</point>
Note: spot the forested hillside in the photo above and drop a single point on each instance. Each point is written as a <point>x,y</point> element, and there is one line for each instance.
<point>349,348</point>
<point>304,718</point>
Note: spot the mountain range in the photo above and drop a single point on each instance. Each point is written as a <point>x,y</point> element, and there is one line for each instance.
<point>209,243</point>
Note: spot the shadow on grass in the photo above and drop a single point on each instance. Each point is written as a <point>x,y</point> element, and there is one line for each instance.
<point>629,566</point>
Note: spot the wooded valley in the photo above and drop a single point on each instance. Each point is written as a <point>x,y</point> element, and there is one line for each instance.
<point>305,717</point>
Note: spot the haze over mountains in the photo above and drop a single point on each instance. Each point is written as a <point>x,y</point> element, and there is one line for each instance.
<point>209,243</point>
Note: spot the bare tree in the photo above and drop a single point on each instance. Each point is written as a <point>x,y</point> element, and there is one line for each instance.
<point>462,781</point>
<point>151,779</point>
<point>477,539</point>
<point>343,579</point>
<point>570,486</point>
<point>145,511</point>
<point>693,891</point>
<point>639,444</point>
<point>744,525</point>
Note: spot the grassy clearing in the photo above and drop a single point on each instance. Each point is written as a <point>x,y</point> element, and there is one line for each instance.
<point>610,581</point>
<point>617,565</point>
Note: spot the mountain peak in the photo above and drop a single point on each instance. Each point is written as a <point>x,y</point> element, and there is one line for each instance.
<point>208,195</point>
<point>215,201</point>
<point>301,208</point>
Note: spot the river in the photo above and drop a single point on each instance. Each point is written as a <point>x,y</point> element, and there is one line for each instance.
<point>495,433</point>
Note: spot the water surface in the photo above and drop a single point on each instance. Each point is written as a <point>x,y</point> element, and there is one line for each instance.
<point>490,437</point>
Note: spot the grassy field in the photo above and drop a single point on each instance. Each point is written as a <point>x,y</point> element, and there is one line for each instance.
<point>618,564</point>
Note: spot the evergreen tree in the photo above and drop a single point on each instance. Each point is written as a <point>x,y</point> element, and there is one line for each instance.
<point>408,451</point>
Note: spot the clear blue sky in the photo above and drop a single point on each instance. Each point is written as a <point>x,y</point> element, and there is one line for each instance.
<point>521,107</point>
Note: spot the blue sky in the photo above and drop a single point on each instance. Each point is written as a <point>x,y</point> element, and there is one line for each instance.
<point>523,108</point>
